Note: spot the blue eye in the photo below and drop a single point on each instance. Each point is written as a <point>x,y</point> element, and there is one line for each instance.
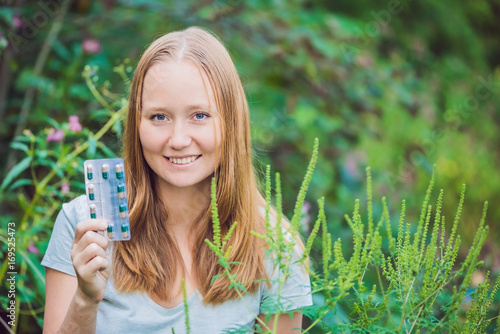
<point>200,116</point>
<point>158,117</point>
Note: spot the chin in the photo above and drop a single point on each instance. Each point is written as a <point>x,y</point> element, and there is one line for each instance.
<point>184,183</point>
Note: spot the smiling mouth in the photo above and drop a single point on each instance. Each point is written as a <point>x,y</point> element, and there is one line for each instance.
<point>183,161</point>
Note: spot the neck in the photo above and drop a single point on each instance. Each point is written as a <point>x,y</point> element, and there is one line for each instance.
<point>184,204</point>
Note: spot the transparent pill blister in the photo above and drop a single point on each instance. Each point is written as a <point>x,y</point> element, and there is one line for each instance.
<point>107,196</point>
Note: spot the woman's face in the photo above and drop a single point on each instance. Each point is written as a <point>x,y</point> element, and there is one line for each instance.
<point>178,129</point>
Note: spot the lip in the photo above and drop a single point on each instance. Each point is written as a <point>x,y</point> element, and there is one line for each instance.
<point>181,157</point>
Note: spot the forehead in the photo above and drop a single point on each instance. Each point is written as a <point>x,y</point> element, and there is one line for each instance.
<point>175,83</point>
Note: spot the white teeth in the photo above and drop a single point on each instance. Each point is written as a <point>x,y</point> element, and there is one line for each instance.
<point>183,161</point>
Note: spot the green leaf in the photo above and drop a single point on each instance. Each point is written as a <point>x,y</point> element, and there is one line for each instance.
<point>61,50</point>
<point>49,163</point>
<point>23,201</point>
<point>20,146</point>
<point>92,147</point>
<point>22,138</point>
<point>53,122</point>
<point>41,155</point>
<point>117,127</point>
<point>36,269</point>
<point>100,114</point>
<point>28,79</point>
<point>15,171</point>
<point>19,183</point>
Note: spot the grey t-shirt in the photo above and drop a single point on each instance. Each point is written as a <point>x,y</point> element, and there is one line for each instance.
<point>137,313</point>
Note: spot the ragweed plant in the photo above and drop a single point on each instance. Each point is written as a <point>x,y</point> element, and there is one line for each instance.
<point>420,286</point>
<point>279,242</point>
<point>411,282</point>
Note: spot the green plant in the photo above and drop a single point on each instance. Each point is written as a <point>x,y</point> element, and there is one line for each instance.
<point>405,98</point>
<point>49,174</point>
<point>419,286</point>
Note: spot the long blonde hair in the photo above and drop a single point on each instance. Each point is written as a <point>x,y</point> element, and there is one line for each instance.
<point>139,264</point>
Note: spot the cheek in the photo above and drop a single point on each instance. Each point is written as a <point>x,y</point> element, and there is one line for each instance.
<point>210,141</point>
<point>147,139</point>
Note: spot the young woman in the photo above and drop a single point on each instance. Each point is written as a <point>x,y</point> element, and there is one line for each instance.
<point>187,123</point>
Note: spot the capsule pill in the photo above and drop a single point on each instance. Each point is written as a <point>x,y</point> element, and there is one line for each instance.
<point>121,191</point>
<point>90,172</point>
<point>124,231</point>
<point>93,214</point>
<point>123,211</point>
<point>119,171</point>
<point>105,171</point>
<point>91,193</point>
<point>111,231</point>
<point>106,196</point>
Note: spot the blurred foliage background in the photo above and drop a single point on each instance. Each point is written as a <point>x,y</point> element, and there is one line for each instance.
<point>395,85</point>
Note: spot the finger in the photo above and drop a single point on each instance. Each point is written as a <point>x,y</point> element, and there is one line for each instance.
<point>88,225</point>
<point>86,255</point>
<point>90,237</point>
<point>91,268</point>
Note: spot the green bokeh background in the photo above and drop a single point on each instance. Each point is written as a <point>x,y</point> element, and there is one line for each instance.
<point>399,86</point>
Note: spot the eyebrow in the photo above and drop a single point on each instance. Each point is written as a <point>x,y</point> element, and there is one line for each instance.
<point>189,108</point>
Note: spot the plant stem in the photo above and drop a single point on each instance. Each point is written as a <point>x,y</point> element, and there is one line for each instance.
<point>95,92</point>
<point>404,305</point>
<point>324,313</point>
<point>6,326</point>
<point>383,293</point>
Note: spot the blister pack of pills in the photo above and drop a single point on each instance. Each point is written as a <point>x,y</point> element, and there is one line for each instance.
<point>107,196</point>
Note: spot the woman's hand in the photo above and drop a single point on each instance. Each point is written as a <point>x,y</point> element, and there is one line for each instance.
<point>91,260</point>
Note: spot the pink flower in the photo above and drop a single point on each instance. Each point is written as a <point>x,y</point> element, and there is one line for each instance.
<point>64,188</point>
<point>16,21</point>
<point>74,124</point>
<point>32,248</point>
<point>55,135</point>
<point>91,45</point>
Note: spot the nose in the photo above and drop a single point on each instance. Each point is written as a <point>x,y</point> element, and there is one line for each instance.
<point>179,137</point>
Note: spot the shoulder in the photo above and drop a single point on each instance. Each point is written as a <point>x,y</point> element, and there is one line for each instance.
<point>75,207</point>
<point>70,215</point>
<point>75,210</point>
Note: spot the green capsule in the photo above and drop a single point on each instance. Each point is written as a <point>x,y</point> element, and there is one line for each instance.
<point>105,171</point>
<point>90,172</point>
<point>123,211</point>
<point>124,231</point>
<point>119,171</point>
<point>93,214</point>
<point>91,193</point>
<point>121,191</point>
<point>111,230</point>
